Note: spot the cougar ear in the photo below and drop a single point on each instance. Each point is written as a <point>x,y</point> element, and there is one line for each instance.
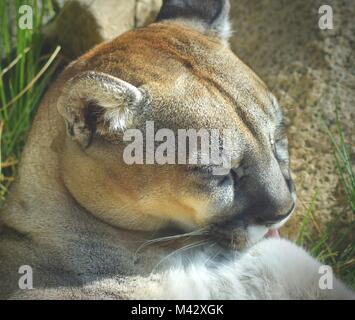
<point>209,15</point>
<point>97,102</point>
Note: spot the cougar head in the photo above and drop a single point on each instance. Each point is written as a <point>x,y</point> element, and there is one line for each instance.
<point>179,76</point>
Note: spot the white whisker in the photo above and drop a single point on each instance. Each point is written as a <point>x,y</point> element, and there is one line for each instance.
<point>187,247</point>
<point>199,232</point>
<point>212,256</point>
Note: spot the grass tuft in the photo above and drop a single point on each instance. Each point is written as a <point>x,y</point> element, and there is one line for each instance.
<point>333,244</point>
<point>25,71</point>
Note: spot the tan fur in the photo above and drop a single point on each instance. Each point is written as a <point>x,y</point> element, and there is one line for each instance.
<point>78,215</point>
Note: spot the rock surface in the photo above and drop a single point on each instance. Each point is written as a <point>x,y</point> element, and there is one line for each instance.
<point>307,68</point>
<point>146,11</point>
<point>82,24</point>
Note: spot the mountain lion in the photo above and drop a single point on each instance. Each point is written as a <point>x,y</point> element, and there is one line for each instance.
<point>85,224</point>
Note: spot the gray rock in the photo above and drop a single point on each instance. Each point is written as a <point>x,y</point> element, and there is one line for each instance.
<point>308,69</point>
<point>82,24</point>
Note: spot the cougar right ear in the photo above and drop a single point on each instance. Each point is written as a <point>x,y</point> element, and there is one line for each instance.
<point>97,102</point>
<point>210,15</point>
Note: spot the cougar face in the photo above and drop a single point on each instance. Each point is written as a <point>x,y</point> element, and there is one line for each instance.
<point>180,74</point>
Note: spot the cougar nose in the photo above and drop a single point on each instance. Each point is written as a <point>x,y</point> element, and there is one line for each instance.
<point>265,195</point>
<point>271,205</point>
<point>270,218</point>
